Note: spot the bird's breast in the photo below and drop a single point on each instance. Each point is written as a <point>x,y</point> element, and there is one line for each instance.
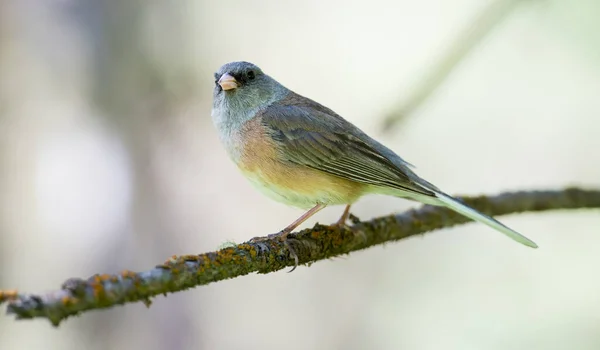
<point>229,132</point>
<point>262,162</point>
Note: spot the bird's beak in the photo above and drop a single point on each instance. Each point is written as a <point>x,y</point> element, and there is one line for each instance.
<point>228,82</point>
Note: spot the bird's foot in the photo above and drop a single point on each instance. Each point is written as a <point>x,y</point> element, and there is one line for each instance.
<point>341,224</point>
<point>282,236</point>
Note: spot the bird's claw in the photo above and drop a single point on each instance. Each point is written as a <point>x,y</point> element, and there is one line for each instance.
<point>292,254</point>
<point>282,236</point>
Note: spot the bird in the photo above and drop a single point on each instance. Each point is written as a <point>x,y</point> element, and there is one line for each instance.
<point>303,154</point>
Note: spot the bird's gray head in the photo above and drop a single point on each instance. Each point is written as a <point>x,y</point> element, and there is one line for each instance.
<point>241,90</point>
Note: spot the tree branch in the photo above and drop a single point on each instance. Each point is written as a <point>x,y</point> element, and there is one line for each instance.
<point>182,272</point>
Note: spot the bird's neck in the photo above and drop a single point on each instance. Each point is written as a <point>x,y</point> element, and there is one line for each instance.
<point>229,116</point>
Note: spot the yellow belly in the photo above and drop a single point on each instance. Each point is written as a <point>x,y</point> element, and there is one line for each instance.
<point>303,187</point>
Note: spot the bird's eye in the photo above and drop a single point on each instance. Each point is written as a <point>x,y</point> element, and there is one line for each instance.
<point>251,75</point>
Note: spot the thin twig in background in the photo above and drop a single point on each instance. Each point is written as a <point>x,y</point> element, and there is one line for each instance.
<point>491,16</point>
<point>311,245</point>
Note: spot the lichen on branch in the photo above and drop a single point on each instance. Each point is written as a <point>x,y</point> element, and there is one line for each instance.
<point>318,243</point>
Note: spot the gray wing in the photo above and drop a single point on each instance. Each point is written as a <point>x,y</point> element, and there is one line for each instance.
<point>312,135</point>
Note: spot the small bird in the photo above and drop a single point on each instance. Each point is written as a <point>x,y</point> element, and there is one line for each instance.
<point>303,154</point>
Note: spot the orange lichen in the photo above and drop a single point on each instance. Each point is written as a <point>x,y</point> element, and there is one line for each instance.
<point>102,278</point>
<point>223,256</point>
<point>253,253</point>
<point>337,239</point>
<point>67,301</point>
<point>11,294</point>
<point>315,234</point>
<point>250,249</point>
<point>205,265</point>
<point>190,258</point>
<point>128,274</point>
<point>228,255</point>
<point>98,290</point>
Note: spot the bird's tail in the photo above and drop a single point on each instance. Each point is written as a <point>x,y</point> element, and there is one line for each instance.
<point>484,219</point>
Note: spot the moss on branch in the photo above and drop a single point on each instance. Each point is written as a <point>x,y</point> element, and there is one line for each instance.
<point>183,272</point>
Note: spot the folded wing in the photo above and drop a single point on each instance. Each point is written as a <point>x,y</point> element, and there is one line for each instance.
<point>318,138</point>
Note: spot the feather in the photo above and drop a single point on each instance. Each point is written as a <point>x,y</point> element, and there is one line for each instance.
<point>473,214</point>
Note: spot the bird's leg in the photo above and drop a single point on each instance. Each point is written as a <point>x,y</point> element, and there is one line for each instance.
<point>341,223</point>
<point>286,231</point>
<point>282,235</point>
<point>344,218</point>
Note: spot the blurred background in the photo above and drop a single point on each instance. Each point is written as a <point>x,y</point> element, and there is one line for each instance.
<point>109,161</point>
